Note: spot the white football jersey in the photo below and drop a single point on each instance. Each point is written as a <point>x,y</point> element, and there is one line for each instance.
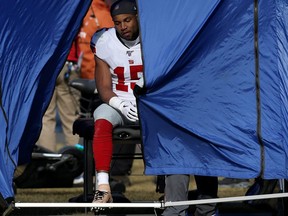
<point>125,63</point>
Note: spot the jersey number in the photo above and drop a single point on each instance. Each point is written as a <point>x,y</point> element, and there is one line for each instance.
<point>134,71</point>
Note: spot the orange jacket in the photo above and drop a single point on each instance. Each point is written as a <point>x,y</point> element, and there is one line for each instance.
<point>97,17</point>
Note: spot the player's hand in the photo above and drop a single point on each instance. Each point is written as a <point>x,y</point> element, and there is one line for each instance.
<point>125,107</point>
<point>130,111</point>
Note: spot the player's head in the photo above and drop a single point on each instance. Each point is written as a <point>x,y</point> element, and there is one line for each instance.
<point>124,15</point>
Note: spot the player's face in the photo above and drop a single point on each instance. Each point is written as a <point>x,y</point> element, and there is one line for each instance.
<point>127,26</point>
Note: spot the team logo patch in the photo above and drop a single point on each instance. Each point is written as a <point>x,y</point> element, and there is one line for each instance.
<point>129,52</point>
<point>117,7</point>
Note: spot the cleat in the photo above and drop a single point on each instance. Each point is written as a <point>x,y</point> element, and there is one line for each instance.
<point>101,197</point>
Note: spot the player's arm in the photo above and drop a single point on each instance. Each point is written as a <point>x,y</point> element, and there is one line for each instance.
<point>103,80</point>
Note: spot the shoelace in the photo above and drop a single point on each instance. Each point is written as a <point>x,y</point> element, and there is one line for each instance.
<point>99,195</point>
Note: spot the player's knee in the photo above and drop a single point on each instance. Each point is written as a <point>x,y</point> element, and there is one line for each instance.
<point>108,113</point>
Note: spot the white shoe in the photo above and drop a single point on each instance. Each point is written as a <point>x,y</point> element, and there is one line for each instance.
<point>78,180</point>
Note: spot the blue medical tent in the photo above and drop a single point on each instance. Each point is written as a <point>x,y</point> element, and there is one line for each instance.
<point>35,40</point>
<point>216,79</point>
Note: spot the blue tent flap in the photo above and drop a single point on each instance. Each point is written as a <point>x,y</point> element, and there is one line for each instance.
<point>35,39</point>
<point>215,104</point>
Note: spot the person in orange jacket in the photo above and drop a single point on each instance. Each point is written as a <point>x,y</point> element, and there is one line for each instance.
<point>97,17</point>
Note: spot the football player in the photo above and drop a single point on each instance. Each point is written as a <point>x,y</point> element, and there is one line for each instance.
<point>118,59</point>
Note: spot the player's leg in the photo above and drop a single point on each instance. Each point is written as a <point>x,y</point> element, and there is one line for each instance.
<point>106,118</point>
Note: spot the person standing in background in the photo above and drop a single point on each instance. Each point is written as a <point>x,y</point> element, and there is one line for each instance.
<point>177,189</point>
<point>65,101</point>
